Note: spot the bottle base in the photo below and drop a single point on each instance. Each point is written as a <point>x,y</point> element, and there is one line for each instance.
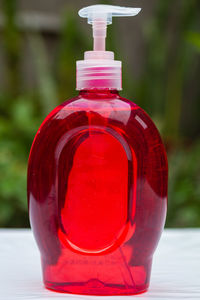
<point>95,287</point>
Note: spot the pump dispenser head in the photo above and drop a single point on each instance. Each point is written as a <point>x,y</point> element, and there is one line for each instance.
<point>99,69</point>
<point>99,16</point>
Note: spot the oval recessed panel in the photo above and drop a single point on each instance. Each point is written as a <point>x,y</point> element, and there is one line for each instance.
<point>94,212</point>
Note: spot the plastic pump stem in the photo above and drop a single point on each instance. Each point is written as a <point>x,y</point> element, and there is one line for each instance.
<point>99,35</point>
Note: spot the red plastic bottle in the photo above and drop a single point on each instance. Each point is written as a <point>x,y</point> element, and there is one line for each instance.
<point>97,190</point>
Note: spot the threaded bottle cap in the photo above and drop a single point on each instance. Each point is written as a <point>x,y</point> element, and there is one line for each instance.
<point>99,70</point>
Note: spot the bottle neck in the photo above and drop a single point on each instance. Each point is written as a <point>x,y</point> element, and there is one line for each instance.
<point>99,93</point>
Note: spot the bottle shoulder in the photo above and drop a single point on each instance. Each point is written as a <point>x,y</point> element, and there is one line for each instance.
<point>89,105</point>
<point>114,108</point>
<point>113,112</point>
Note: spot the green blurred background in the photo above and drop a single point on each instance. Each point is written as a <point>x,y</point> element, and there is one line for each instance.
<point>160,49</point>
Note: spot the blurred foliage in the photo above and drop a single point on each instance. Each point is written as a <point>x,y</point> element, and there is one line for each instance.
<point>170,76</point>
<point>184,187</point>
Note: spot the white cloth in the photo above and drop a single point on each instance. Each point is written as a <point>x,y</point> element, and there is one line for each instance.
<point>175,273</point>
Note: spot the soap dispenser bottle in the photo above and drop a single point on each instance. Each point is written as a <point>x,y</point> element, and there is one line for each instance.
<point>97,180</point>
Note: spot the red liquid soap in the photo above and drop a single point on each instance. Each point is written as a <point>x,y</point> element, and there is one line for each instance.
<point>97,187</point>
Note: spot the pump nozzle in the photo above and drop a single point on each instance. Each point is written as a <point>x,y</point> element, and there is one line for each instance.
<point>100,16</point>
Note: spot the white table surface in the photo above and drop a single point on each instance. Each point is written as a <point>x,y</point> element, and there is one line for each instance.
<point>175,274</point>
